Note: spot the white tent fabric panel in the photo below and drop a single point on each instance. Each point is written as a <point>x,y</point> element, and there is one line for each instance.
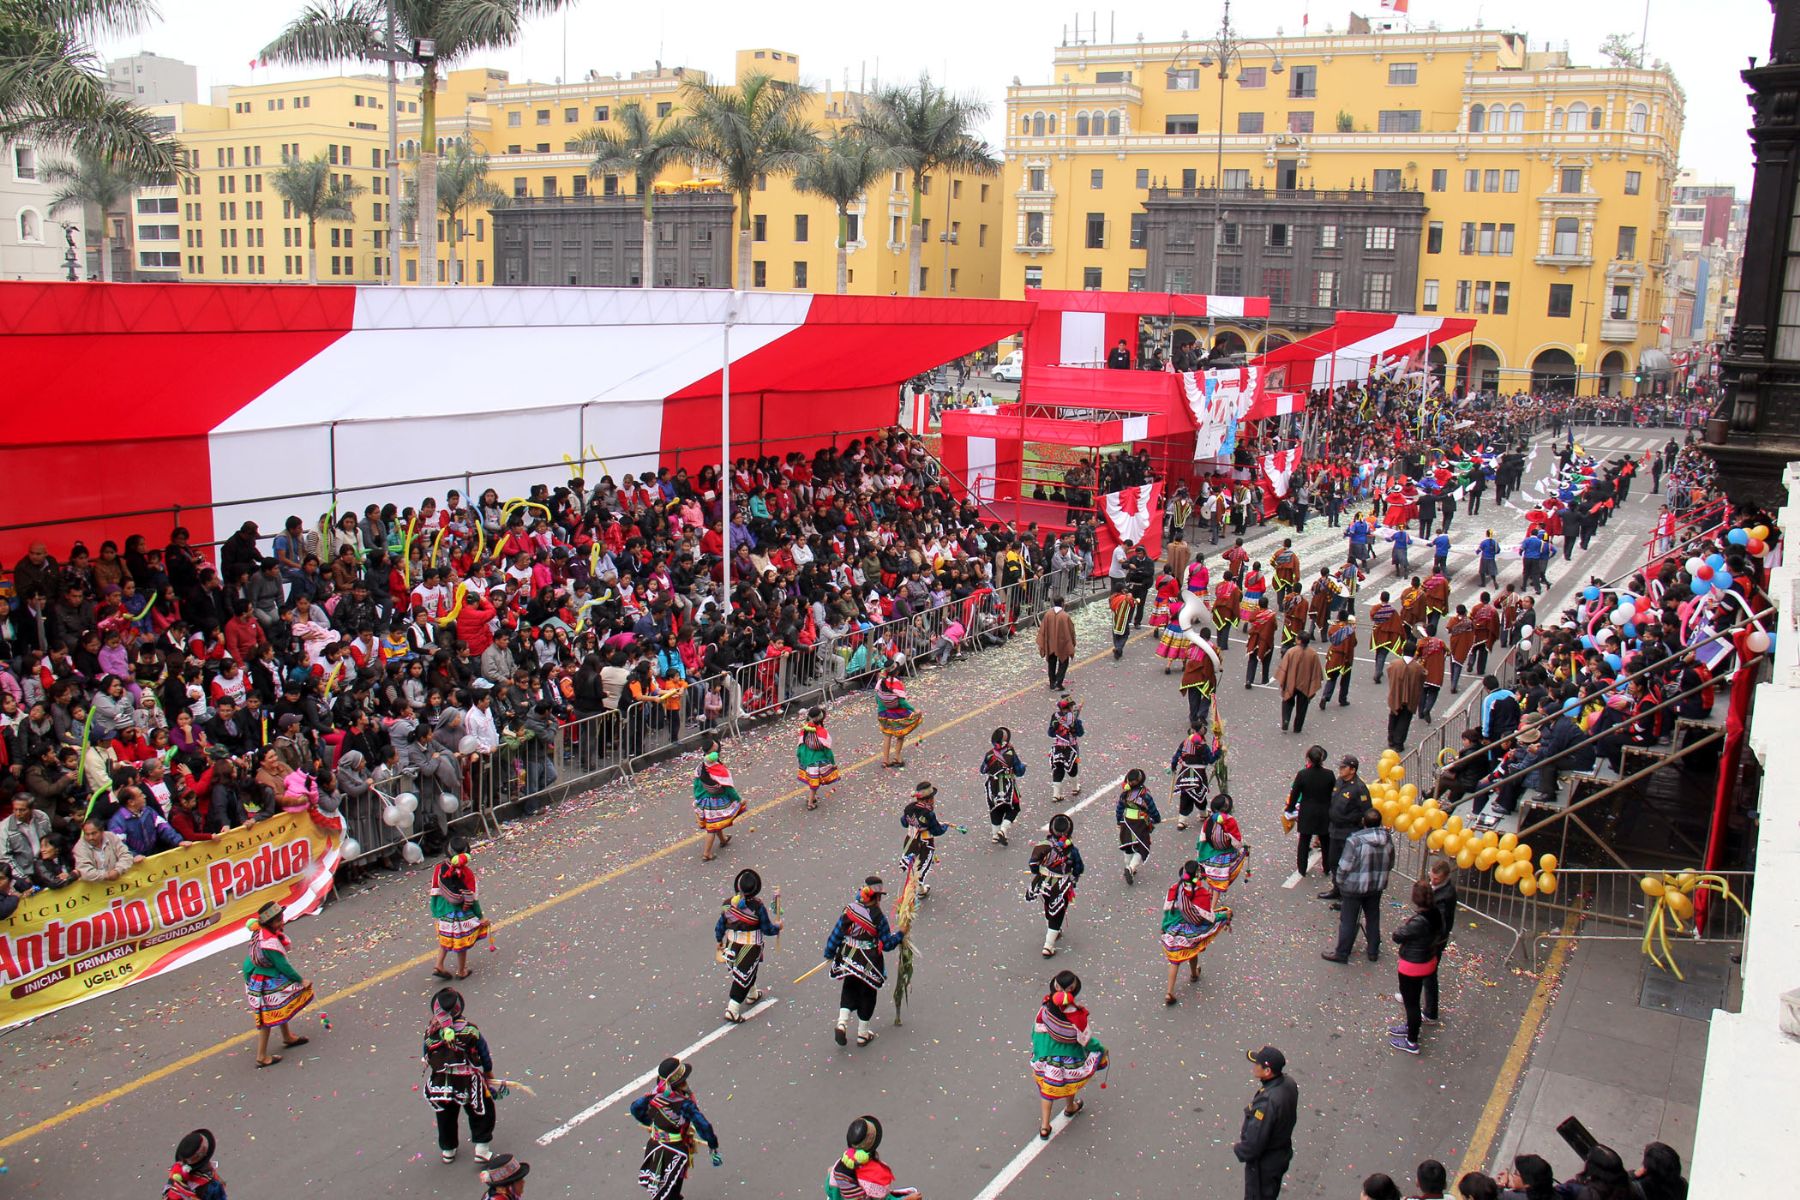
<point>1083,339</point>
<point>276,462</point>
<point>451,308</point>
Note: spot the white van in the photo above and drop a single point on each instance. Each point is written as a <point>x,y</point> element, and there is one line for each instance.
<point>1011,368</point>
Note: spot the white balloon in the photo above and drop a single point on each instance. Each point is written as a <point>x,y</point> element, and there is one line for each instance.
<point>1524,646</point>
<point>412,854</point>
<point>1619,616</point>
<point>449,802</point>
<point>1758,642</point>
<point>350,848</point>
<point>408,801</point>
<point>1525,631</point>
<point>394,815</point>
<point>468,745</point>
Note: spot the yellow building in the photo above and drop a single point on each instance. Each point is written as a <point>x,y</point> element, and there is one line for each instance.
<point>233,224</point>
<point>530,131</point>
<point>1545,188</point>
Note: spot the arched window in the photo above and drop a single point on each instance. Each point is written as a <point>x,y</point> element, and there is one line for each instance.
<point>1639,120</point>
<point>1596,117</point>
<point>1477,118</point>
<point>1113,123</point>
<point>1556,118</point>
<point>1578,116</point>
<point>1037,124</point>
<point>31,226</point>
<point>1568,238</point>
<point>1081,124</point>
<point>1024,123</point>
<point>1515,118</point>
<point>1052,124</point>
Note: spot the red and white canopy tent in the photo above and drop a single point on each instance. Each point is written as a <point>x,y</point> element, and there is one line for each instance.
<point>1356,345</point>
<point>139,406</point>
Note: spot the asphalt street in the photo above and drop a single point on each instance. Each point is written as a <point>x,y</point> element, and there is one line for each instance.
<point>604,964</point>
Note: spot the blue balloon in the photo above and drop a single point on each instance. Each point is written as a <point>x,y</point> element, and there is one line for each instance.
<point>1591,592</point>
<point>1702,586</point>
<point>1587,643</point>
<point>1629,630</point>
<point>1572,705</point>
<point>1716,561</point>
<point>1614,661</point>
<point>1738,537</point>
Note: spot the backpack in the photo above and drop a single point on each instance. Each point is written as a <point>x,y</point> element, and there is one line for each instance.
<point>1216,835</point>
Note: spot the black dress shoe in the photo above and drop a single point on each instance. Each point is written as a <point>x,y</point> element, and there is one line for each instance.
<point>1328,956</point>
<point>1333,894</point>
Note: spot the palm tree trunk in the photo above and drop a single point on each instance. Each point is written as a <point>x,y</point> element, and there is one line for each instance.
<point>105,252</point>
<point>743,280</point>
<point>647,260</point>
<point>312,250</point>
<point>427,201</point>
<point>915,236</point>
<point>450,242</point>
<point>843,250</point>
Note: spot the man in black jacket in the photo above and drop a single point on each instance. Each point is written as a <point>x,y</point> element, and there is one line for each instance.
<point>1349,800</point>
<point>1140,572</point>
<point>1443,898</point>
<point>1265,1145</point>
<point>1309,806</point>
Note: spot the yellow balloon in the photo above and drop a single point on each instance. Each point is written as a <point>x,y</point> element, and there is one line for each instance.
<point>1465,858</point>
<point>1507,873</point>
<point>1434,840</point>
<point>1651,886</point>
<point>1485,859</point>
<point>1418,829</point>
<point>1547,882</point>
<point>1429,803</point>
<point>1527,884</point>
<point>1398,773</point>
<point>1453,842</point>
<point>1685,881</point>
<point>1508,841</point>
<point>1760,533</point>
<point>1437,816</point>
<point>1410,792</point>
<point>1490,838</point>
<point>1547,863</point>
<point>1390,755</point>
<point>1682,906</point>
<point>1522,852</point>
<point>1454,824</point>
<point>1414,810</point>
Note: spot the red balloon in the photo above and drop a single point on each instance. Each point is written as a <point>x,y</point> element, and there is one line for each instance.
<point>1705,572</point>
<point>1643,602</point>
<point>1756,546</point>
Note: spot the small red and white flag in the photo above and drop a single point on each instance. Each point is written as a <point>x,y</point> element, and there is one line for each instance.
<point>1134,514</point>
<point>1398,6</point>
<point>1277,473</point>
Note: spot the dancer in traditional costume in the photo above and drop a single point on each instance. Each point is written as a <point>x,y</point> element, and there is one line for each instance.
<point>895,715</point>
<point>857,951</point>
<point>1227,601</point>
<point>818,764</point>
<point>455,908</point>
<point>675,1123</point>
<point>1190,921</point>
<point>743,923</point>
<point>1066,732</point>
<point>717,804</point>
<point>923,827</point>
<point>1123,604</point>
<point>275,990</point>
<point>1137,817</point>
<point>1295,611</point>
<point>1323,599</point>
<point>1286,565</point>
<point>505,1178</point>
<point>1259,641</point>
<point>1001,768</point>
<point>859,1173</point>
<point>1340,659</point>
<point>1064,1053</point>
<point>458,1077</point>
<point>195,1175</point>
<point>1200,679</point>
<point>1192,778</point>
<point>1220,848</point>
<point>1172,645</point>
<point>1056,868</point>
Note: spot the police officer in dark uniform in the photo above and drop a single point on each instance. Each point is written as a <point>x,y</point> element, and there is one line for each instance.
<point>1266,1144</point>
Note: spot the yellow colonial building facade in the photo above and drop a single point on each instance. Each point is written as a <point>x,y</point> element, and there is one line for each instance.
<point>1449,172</point>
<point>531,130</point>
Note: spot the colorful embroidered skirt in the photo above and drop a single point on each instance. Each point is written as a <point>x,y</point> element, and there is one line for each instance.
<point>817,768</point>
<point>1223,868</point>
<point>898,722</point>
<point>275,999</point>
<point>716,813</point>
<point>460,928</point>
<point>1183,942</point>
<point>1173,644</point>
<point>1061,1074</point>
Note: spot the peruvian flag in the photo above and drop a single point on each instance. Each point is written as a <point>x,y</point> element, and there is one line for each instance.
<point>1277,474</point>
<point>1398,6</point>
<point>1132,515</point>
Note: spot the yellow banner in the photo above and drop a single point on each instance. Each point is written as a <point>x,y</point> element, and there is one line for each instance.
<point>62,947</point>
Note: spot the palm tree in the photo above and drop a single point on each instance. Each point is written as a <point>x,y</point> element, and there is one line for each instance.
<point>463,188</point>
<point>642,150</point>
<point>317,193</point>
<point>52,92</point>
<point>330,31</point>
<point>754,129</point>
<point>925,128</point>
<point>845,167</point>
<point>91,181</point>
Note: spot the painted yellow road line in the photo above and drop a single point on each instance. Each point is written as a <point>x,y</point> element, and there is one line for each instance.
<point>113,1095</point>
<point>1512,1067</point>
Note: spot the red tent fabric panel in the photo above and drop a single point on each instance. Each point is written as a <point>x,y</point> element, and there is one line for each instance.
<point>46,484</point>
<point>770,423</point>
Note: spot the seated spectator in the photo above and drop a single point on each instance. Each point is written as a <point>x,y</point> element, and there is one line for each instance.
<point>143,829</point>
<point>49,870</point>
<point>1660,1177</point>
<point>22,834</point>
<point>1529,1179</point>
<point>101,856</point>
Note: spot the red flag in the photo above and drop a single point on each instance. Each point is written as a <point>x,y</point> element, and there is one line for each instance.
<point>1132,515</point>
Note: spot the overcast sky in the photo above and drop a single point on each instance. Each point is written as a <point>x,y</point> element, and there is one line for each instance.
<point>980,47</point>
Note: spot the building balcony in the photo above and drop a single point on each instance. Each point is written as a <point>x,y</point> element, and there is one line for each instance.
<point>1034,247</point>
<point>1618,329</point>
<point>1564,260</point>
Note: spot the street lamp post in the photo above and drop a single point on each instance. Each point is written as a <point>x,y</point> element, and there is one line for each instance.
<point>1224,48</point>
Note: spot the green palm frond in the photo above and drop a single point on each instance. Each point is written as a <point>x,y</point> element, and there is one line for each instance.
<point>758,127</point>
<point>845,166</point>
<point>925,127</point>
<point>310,188</point>
<point>89,180</point>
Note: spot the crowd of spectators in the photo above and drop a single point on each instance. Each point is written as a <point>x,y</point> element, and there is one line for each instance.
<point>150,697</point>
<point>1604,1175</point>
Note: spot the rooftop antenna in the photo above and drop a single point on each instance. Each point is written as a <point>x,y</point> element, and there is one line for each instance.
<point>1644,37</point>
